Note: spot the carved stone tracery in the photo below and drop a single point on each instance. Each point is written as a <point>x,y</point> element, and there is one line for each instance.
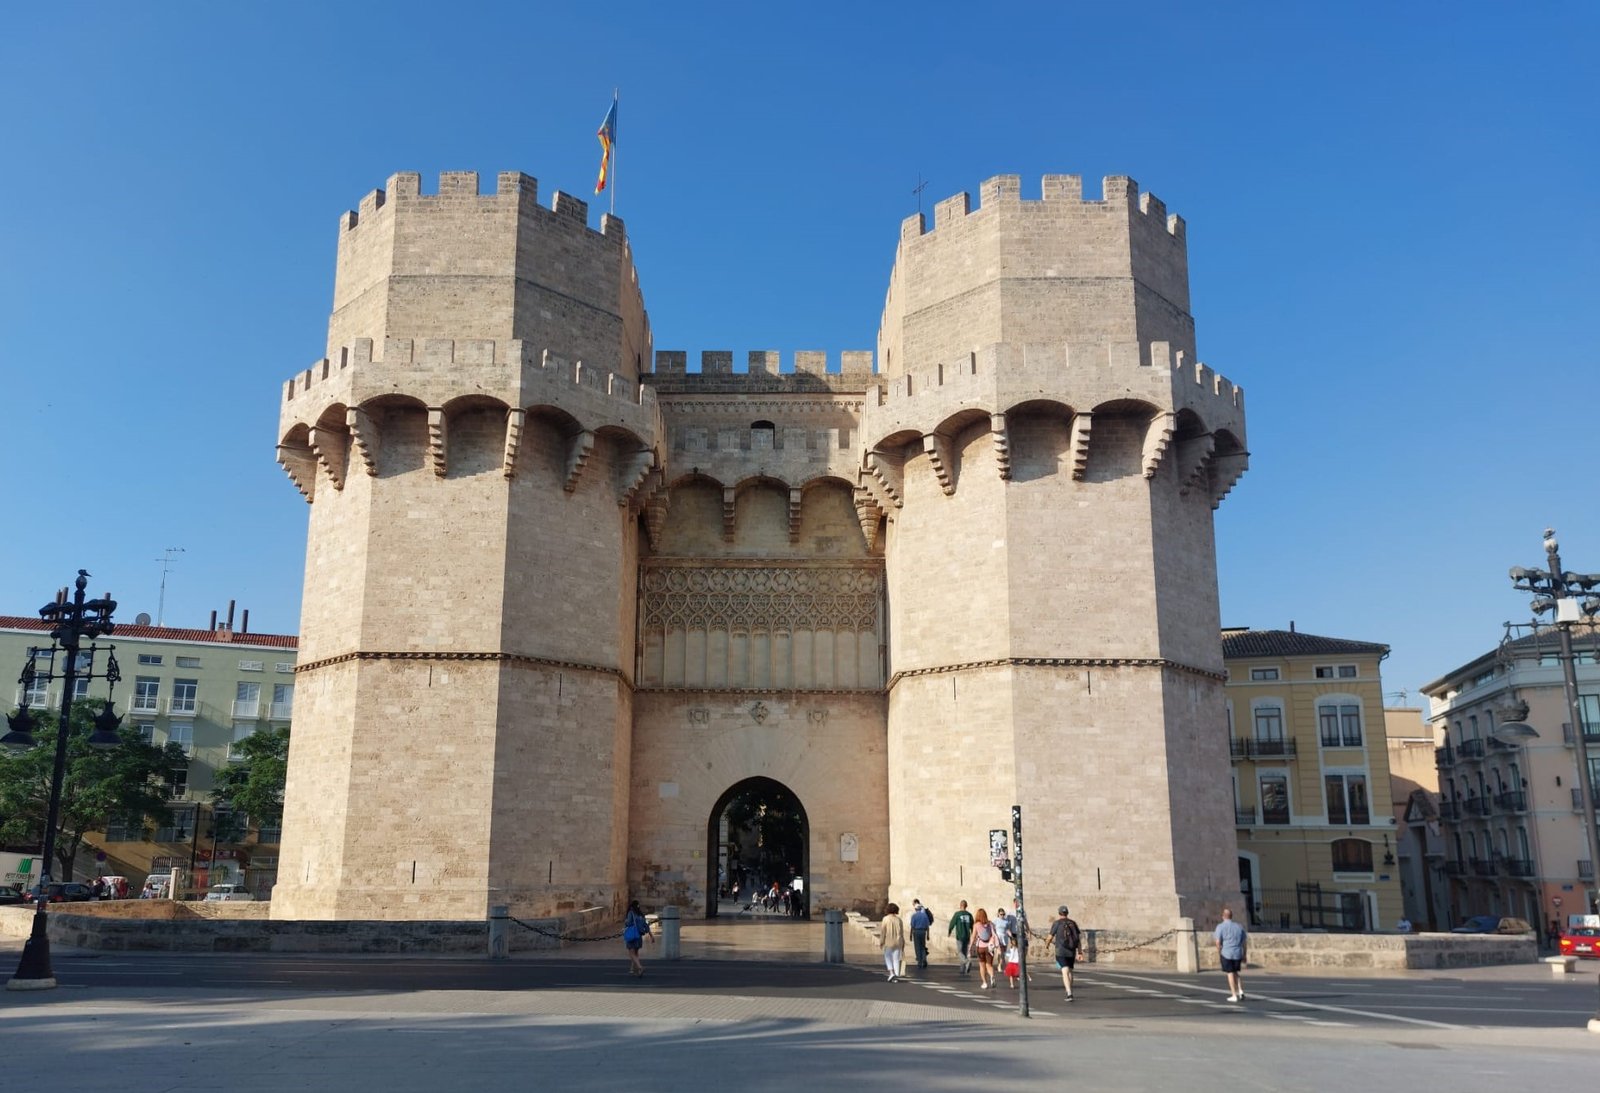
<point>767,598</point>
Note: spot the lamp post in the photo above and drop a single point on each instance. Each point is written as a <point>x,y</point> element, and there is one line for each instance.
<point>1558,591</point>
<point>72,621</point>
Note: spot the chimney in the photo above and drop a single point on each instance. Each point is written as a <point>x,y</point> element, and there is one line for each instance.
<point>244,623</point>
<point>213,621</point>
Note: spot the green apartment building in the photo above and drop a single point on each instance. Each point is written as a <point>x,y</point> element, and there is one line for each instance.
<point>206,690</point>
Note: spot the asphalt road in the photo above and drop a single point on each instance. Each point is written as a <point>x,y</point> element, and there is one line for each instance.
<point>1479,998</point>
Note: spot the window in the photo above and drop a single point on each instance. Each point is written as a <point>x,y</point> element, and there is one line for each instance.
<point>1263,673</point>
<point>247,700</point>
<point>1483,677</point>
<point>185,695</point>
<point>152,659</point>
<point>1274,789</point>
<point>283,666</point>
<point>1340,724</point>
<point>36,693</point>
<point>282,701</point>
<point>268,835</point>
<point>1342,671</point>
<point>1589,710</point>
<point>188,662</point>
<point>242,731</point>
<point>1347,799</point>
<point>146,731</point>
<point>146,693</point>
<point>1352,856</point>
<point>1269,724</point>
<point>251,666</point>
<point>178,826</point>
<point>182,734</point>
<point>178,783</point>
<point>125,828</point>
<point>1347,671</point>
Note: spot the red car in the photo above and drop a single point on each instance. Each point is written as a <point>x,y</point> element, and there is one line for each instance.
<point>1581,941</point>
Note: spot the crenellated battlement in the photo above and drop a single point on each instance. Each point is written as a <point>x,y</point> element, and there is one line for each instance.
<point>763,373</point>
<point>404,188</point>
<point>510,370</point>
<point>1118,192</point>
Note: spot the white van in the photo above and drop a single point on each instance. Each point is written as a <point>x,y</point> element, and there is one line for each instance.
<point>228,893</point>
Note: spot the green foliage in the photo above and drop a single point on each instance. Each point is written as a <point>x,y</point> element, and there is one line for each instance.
<point>128,780</point>
<point>774,817</point>
<point>254,784</point>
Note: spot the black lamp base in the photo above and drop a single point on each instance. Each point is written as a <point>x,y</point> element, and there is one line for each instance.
<point>34,972</point>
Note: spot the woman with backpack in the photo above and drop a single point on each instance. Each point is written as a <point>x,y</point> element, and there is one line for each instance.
<point>635,928</point>
<point>984,940</point>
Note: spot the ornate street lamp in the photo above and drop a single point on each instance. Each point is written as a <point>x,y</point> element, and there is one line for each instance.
<point>72,621</point>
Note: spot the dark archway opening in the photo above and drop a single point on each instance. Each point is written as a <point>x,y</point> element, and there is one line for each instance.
<point>758,839</point>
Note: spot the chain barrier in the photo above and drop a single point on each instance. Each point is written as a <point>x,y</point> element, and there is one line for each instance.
<point>541,931</point>
<point>1098,950</point>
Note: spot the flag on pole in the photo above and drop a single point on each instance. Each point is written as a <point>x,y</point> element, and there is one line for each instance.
<point>608,143</point>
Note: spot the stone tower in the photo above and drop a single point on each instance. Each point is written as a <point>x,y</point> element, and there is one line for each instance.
<point>565,598</point>
<point>473,439</point>
<point>1051,454</point>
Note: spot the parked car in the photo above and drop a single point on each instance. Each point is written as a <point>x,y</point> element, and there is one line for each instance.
<point>1581,941</point>
<point>1492,924</point>
<point>62,892</point>
<point>10,893</point>
<point>228,893</point>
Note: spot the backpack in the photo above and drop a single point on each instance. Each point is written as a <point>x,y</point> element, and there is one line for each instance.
<point>1073,936</point>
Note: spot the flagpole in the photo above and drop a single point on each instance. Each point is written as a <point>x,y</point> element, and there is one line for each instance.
<point>616,100</point>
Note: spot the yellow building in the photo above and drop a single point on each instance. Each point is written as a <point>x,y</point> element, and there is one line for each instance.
<point>1311,781</point>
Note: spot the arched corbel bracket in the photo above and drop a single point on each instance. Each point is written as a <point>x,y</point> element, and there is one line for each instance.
<point>1194,453</point>
<point>1157,438</point>
<point>796,499</point>
<point>579,447</point>
<point>730,507</point>
<point>330,446</point>
<point>1078,445</point>
<point>516,419</point>
<point>1002,445</point>
<point>937,449</point>
<point>635,473</point>
<point>301,466</point>
<point>363,438</point>
<point>888,475</point>
<point>438,427</point>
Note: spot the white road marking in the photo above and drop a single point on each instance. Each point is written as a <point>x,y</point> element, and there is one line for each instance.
<point>1320,1006</point>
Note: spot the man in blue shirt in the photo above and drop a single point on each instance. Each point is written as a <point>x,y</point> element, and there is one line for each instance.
<point>921,923</point>
<point>1231,943</point>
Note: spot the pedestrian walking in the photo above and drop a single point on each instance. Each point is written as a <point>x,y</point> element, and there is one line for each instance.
<point>983,935</point>
<point>1068,940</point>
<point>921,923</point>
<point>1232,945</point>
<point>961,929</point>
<point>635,928</point>
<point>1005,958</point>
<point>892,936</point>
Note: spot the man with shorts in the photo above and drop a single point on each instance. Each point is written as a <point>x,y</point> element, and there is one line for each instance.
<point>1231,947</point>
<point>1068,940</point>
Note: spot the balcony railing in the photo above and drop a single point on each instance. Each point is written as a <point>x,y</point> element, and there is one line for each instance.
<point>1271,749</point>
<point>1577,798</point>
<point>1591,734</point>
<point>1514,800</point>
<point>247,708</point>
<point>1243,817</point>
<point>1449,810</point>
<point>1455,869</point>
<point>177,704</point>
<point>1585,870</point>
<point>1470,749</point>
<point>146,704</point>
<point>1483,867</point>
<point>280,711</point>
<point>1444,757</point>
<point>1478,806</point>
<point>1275,816</point>
<point>1517,867</point>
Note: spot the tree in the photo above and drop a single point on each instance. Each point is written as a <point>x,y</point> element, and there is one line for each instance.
<point>774,816</point>
<point>254,785</point>
<point>130,780</point>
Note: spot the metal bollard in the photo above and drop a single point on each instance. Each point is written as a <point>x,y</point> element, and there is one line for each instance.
<point>833,937</point>
<point>670,920</point>
<point>499,932</point>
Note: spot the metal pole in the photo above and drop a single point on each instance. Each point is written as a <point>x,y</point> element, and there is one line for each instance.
<point>34,971</point>
<point>1569,678</point>
<point>1022,914</point>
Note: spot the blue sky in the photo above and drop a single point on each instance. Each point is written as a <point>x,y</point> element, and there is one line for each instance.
<point>1392,216</point>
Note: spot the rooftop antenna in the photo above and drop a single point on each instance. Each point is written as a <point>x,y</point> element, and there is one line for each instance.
<point>166,564</point>
<point>917,189</point>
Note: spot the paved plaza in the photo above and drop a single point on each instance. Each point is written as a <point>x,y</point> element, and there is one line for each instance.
<point>750,1004</point>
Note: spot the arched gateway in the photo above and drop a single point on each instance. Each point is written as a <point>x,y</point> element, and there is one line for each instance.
<point>757,835</point>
